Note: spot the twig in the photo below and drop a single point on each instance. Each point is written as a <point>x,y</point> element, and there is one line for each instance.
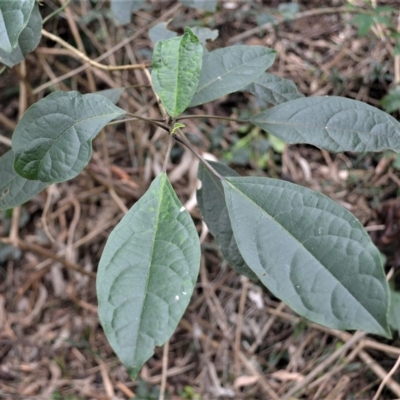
<point>170,144</point>
<point>239,324</point>
<point>386,379</point>
<point>325,364</point>
<point>79,43</point>
<point>48,254</point>
<point>251,369</point>
<point>265,329</point>
<point>397,59</point>
<point>379,371</point>
<point>93,63</point>
<point>164,372</point>
<point>304,14</point>
<point>54,13</point>
<point>5,141</point>
<point>194,151</point>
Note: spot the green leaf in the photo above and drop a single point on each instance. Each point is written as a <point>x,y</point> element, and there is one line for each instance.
<point>28,40</point>
<point>53,140</point>
<point>310,252</point>
<point>147,274</point>
<point>211,201</point>
<point>394,310</point>
<point>204,34</point>
<point>364,23</point>
<point>123,9</point>
<point>332,123</point>
<point>206,5</point>
<point>288,10</point>
<point>230,69</point>
<point>112,94</point>
<point>14,16</point>
<point>273,89</point>
<point>391,102</point>
<point>177,125</point>
<point>15,190</point>
<point>176,71</point>
<point>277,144</point>
<point>160,32</point>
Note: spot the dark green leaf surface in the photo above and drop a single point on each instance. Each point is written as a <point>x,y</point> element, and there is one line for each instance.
<point>147,274</point>
<point>160,32</point>
<point>310,252</point>
<point>394,310</point>
<point>273,89</point>
<point>332,123</point>
<point>123,9</point>
<point>28,40</point>
<point>14,16</point>
<point>53,140</point>
<point>206,5</point>
<point>211,201</point>
<point>230,69</point>
<point>176,71</point>
<point>15,190</point>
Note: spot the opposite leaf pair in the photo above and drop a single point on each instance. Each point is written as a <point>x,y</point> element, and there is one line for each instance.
<point>298,243</point>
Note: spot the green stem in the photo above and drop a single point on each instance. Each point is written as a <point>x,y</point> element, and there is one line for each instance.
<point>62,8</point>
<point>213,117</point>
<point>3,69</point>
<point>170,144</point>
<point>194,151</point>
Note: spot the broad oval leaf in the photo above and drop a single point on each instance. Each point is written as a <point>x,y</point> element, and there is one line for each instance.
<point>14,16</point>
<point>230,69</point>
<point>310,252</point>
<point>332,123</point>
<point>273,89</point>
<point>28,40</point>
<point>176,71</point>
<point>147,274</point>
<point>53,140</point>
<point>123,9</point>
<point>14,189</point>
<point>211,201</point>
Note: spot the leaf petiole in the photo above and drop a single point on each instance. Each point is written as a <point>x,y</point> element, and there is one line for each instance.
<point>213,117</point>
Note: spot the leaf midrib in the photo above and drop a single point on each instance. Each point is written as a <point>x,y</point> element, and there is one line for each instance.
<point>162,186</point>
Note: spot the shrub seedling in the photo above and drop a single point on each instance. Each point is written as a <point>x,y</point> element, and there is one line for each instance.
<point>306,249</point>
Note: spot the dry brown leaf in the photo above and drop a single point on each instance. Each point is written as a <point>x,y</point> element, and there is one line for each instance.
<point>283,376</point>
<point>245,381</point>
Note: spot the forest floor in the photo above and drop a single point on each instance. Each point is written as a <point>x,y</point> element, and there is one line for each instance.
<point>235,341</point>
